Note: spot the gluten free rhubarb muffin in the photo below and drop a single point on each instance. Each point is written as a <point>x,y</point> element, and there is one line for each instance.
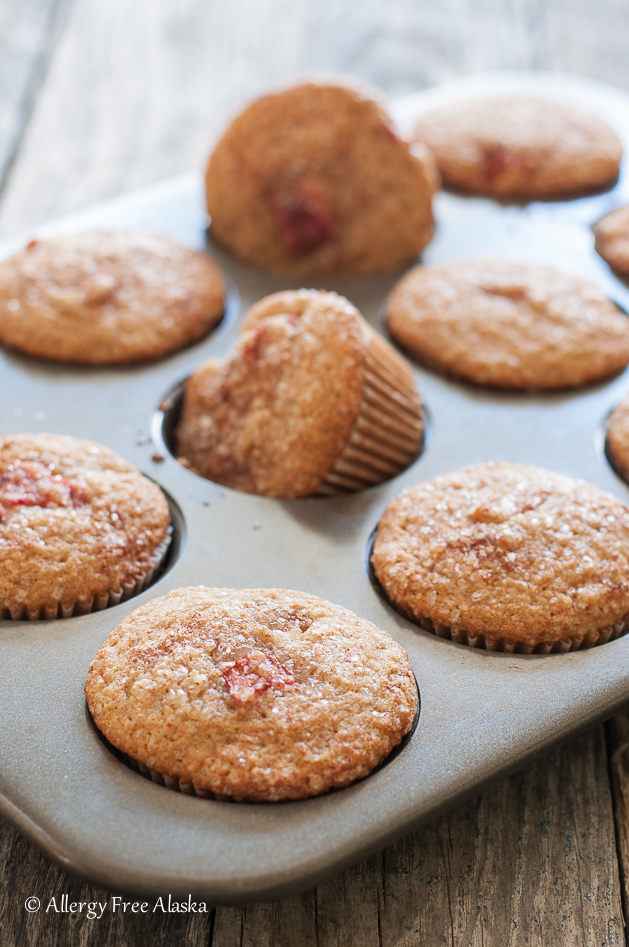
<point>103,298</point>
<point>311,400</point>
<point>612,239</point>
<point>80,528</point>
<point>520,147</point>
<point>314,180</point>
<point>508,557</point>
<point>617,441</point>
<point>509,325</point>
<point>260,694</point>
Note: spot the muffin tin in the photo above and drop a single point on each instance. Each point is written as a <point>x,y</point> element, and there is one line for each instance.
<point>482,714</point>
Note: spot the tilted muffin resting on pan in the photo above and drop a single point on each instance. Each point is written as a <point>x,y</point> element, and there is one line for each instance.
<point>261,694</point>
<point>80,528</point>
<point>520,147</point>
<point>313,180</point>
<point>311,400</point>
<point>104,297</point>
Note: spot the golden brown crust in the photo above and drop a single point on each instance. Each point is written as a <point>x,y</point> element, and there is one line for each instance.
<point>314,181</point>
<point>618,437</point>
<point>260,694</point>
<point>612,239</point>
<point>510,325</point>
<point>76,521</point>
<point>273,418</point>
<point>104,298</point>
<point>507,552</point>
<point>520,147</point>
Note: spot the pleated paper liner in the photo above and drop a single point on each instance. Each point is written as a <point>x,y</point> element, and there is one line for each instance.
<point>188,789</point>
<point>563,646</point>
<point>389,431</point>
<point>126,591</point>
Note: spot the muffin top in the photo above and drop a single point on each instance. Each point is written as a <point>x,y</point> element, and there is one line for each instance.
<point>102,298</point>
<point>273,418</point>
<point>259,694</point>
<point>520,147</point>
<point>76,521</point>
<point>510,325</point>
<point>507,552</point>
<point>313,180</point>
<point>612,239</point>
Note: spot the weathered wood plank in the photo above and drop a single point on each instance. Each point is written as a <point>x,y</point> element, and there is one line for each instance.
<point>29,30</point>
<point>618,745</point>
<point>26,873</point>
<point>138,91</point>
<point>289,923</point>
<point>532,861</point>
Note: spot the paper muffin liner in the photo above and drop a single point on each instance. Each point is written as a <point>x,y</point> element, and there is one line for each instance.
<point>389,430</point>
<point>563,646</point>
<point>171,782</point>
<point>97,602</point>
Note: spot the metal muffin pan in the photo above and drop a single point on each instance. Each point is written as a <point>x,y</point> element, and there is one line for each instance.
<point>482,714</point>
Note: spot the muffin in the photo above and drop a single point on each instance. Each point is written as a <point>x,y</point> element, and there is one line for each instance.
<point>312,400</point>
<point>80,528</point>
<point>259,694</point>
<point>313,180</point>
<point>509,558</point>
<point>617,441</point>
<point>103,298</point>
<point>520,147</point>
<point>612,239</point>
<point>509,325</point>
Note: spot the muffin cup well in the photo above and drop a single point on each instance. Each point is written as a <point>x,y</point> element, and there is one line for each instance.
<point>389,430</point>
<point>98,602</point>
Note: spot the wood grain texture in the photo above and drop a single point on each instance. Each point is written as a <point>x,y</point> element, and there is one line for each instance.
<point>618,746</point>
<point>532,861</point>
<point>25,872</point>
<point>29,30</point>
<point>138,91</point>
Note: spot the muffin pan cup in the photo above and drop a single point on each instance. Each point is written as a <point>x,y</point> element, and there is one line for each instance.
<point>483,714</point>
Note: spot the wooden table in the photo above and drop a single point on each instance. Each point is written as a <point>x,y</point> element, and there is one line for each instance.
<point>98,97</point>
